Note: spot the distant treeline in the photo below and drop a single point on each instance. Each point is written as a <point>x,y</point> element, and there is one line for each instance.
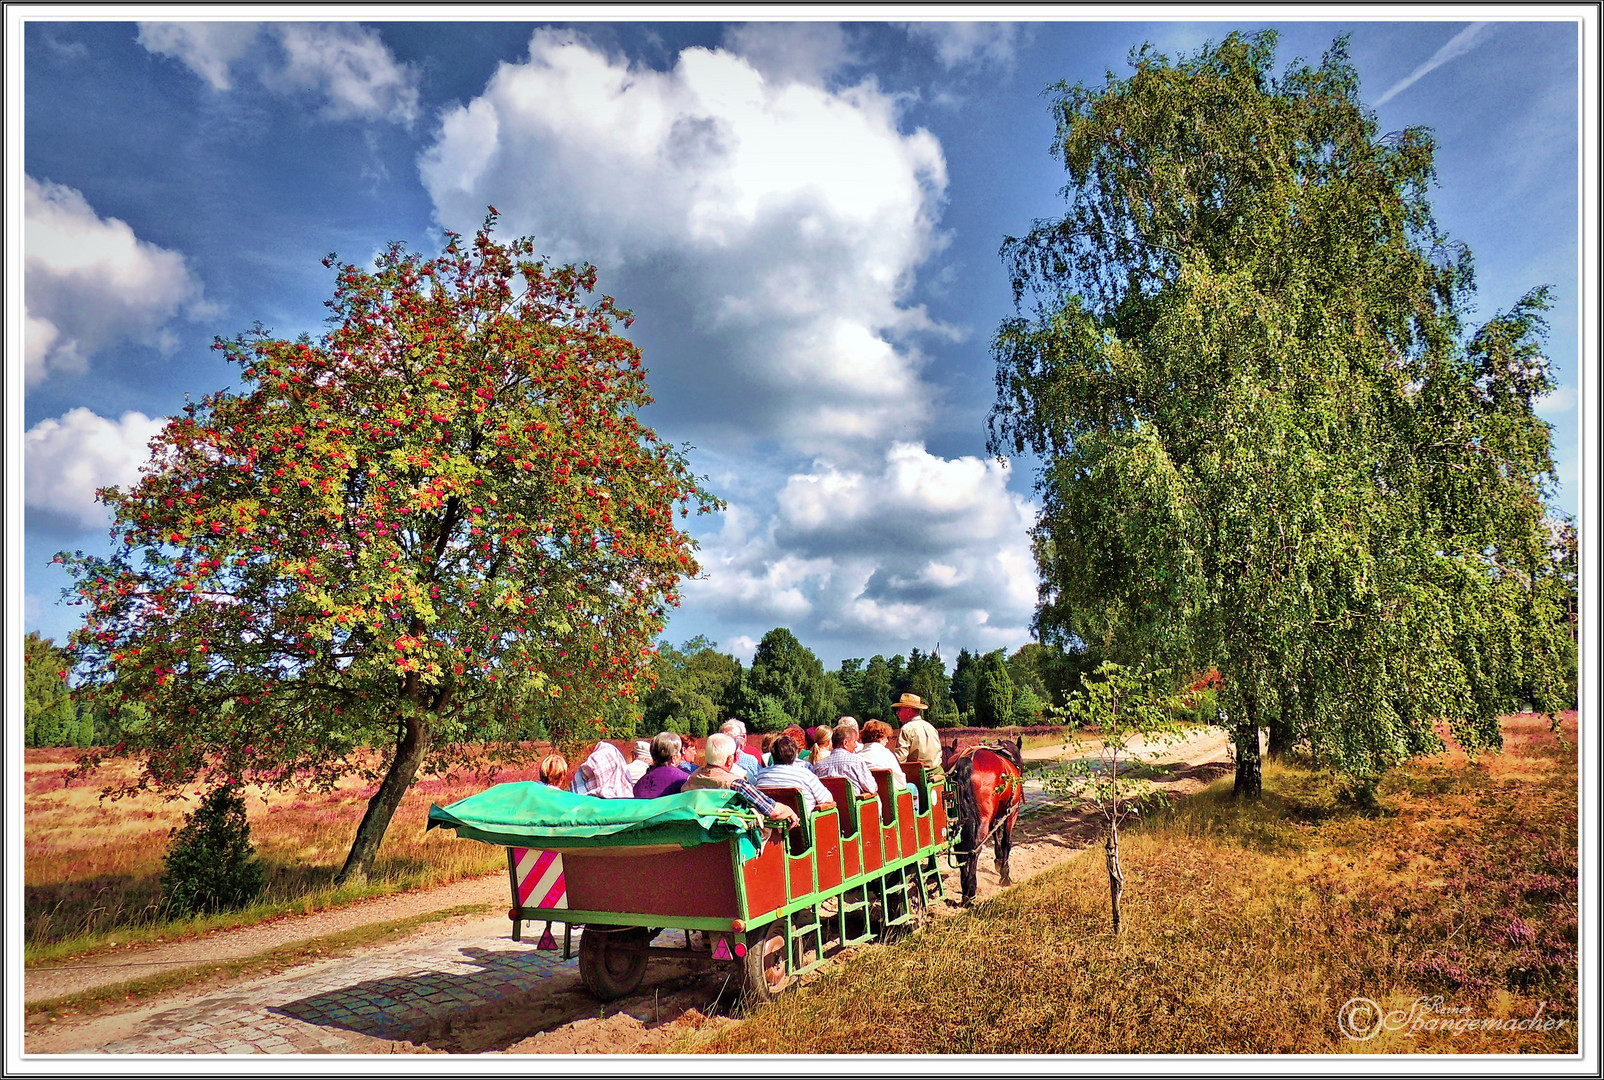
<point>698,686</point>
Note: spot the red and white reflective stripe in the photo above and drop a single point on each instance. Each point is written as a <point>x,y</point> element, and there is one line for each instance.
<point>540,874</point>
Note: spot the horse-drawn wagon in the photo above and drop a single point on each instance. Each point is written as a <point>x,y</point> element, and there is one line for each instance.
<point>765,904</point>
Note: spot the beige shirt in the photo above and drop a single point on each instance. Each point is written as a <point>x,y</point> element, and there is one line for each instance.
<point>917,741</point>
<point>709,776</point>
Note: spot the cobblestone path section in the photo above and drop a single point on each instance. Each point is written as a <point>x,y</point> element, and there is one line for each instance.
<point>351,1005</point>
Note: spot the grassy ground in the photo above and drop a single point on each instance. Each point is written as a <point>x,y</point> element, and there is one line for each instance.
<point>1248,929</point>
<point>92,869</point>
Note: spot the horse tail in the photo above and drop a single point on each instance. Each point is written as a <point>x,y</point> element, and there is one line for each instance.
<point>960,781</point>
<point>966,814</point>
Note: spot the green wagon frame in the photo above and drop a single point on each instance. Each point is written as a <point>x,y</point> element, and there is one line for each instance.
<point>763,906</point>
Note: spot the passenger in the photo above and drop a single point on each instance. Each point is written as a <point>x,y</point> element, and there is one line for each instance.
<point>603,775</point>
<point>799,737</point>
<point>664,777</point>
<point>819,744</point>
<point>642,761</point>
<point>745,763</point>
<point>877,755</point>
<point>841,762</point>
<point>768,748</point>
<point>786,773</point>
<point>718,772</point>
<point>850,743</point>
<point>917,740</point>
<point>553,770</point>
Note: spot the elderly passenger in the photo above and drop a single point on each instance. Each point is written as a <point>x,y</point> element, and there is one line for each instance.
<point>640,762</point>
<point>603,774</point>
<point>664,777</point>
<point>718,772</point>
<point>786,773</point>
<point>877,755</point>
<point>746,764</point>
<point>842,762</point>
<point>850,743</point>
<point>846,735</point>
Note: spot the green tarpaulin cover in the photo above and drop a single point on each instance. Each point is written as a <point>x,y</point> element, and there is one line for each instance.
<point>530,814</point>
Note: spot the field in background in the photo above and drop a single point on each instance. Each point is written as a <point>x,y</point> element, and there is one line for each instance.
<point>1248,928</point>
<point>91,869</point>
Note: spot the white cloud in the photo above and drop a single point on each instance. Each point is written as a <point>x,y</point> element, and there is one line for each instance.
<point>346,66</point>
<point>766,232</point>
<point>209,49</point>
<point>67,459</point>
<point>1456,46</point>
<point>89,283</point>
<point>963,43</point>
<point>910,551</point>
<point>792,52</point>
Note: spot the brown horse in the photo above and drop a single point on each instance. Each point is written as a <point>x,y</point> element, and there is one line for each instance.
<point>987,789</point>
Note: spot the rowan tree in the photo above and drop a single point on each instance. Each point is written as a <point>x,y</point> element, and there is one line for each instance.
<point>1270,443</point>
<point>420,534</point>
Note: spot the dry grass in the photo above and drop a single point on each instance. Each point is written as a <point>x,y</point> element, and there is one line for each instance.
<point>1248,928</point>
<point>92,868</point>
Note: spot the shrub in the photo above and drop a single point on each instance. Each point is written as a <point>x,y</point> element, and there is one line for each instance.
<point>210,863</point>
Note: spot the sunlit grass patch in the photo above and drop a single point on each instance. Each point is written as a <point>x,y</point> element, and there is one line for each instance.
<point>92,868</point>
<point>1248,928</point>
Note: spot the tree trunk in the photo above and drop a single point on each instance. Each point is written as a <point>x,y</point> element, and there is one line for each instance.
<point>410,750</point>
<point>1249,767</point>
<point>1116,879</point>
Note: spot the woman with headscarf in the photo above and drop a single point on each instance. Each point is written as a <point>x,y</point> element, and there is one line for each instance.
<point>604,774</point>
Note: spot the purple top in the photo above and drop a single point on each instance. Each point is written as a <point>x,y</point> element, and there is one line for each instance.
<point>659,780</point>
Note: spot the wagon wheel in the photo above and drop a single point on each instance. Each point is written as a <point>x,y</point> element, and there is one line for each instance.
<point>766,969</point>
<point>608,966</point>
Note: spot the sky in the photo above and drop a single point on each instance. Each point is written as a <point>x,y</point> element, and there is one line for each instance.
<point>804,218</point>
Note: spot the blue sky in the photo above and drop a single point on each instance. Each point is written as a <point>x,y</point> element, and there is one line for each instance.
<point>804,217</point>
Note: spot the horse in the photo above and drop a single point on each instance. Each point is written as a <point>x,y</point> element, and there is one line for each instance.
<point>987,789</point>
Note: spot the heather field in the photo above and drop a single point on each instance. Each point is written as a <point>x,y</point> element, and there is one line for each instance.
<point>92,867</point>
<point>1441,920</point>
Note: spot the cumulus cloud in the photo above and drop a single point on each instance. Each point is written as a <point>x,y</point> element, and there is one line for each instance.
<point>961,44</point>
<point>911,550</point>
<point>347,67</point>
<point>792,52</point>
<point>1456,46</point>
<point>66,460</point>
<point>89,283</point>
<point>766,231</point>
<point>209,49</point>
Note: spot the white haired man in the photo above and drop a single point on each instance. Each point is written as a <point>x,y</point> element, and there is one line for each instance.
<point>746,764</point>
<point>717,772</point>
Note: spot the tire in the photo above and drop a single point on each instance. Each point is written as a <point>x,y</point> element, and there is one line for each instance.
<point>765,970</point>
<point>607,967</point>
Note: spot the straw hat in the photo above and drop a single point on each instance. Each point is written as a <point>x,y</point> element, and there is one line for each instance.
<point>911,701</point>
